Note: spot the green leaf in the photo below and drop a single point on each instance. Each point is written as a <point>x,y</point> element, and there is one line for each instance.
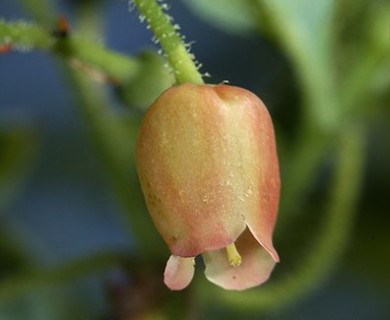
<point>235,16</point>
<point>152,78</point>
<point>365,54</point>
<point>305,30</point>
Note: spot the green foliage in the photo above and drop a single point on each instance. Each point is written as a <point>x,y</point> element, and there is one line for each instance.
<point>141,90</point>
<point>304,29</point>
<point>236,16</point>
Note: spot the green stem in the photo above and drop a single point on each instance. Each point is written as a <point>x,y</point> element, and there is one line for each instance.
<point>114,137</point>
<point>302,166</point>
<point>359,79</point>
<point>181,61</point>
<point>22,36</point>
<point>326,249</point>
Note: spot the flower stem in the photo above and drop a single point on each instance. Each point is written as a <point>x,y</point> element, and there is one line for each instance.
<point>181,61</point>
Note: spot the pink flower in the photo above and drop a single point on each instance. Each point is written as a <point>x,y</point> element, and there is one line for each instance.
<point>207,162</point>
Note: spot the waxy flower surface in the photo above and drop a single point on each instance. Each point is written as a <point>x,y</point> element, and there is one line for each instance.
<point>208,167</point>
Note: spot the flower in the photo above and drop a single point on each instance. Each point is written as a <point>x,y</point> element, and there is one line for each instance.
<point>208,167</point>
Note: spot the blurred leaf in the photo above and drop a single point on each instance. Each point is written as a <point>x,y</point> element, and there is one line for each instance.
<point>235,16</point>
<point>152,78</point>
<point>305,30</point>
<point>17,150</point>
<point>364,23</point>
<point>368,257</point>
<point>364,50</point>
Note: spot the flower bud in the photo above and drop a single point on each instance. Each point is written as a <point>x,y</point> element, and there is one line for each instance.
<point>208,167</point>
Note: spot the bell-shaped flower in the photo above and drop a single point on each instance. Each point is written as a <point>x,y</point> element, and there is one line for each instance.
<point>208,167</point>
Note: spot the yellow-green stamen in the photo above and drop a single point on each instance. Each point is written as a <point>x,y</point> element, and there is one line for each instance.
<point>233,256</point>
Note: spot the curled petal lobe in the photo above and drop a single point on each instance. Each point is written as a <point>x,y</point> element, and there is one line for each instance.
<point>179,272</point>
<point>255,268</point>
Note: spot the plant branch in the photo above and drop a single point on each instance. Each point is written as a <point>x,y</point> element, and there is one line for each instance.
<point>181,61</point>
<point>114,137</point>
<point>113,134</point>
<point>22,36</point>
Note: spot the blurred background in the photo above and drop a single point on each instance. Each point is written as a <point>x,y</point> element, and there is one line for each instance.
<point>76,241</point>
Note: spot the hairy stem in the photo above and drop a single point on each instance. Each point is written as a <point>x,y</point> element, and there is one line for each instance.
<point>22,36</point>
<point>179,58</point>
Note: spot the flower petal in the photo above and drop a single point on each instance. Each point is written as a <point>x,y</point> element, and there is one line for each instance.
<point>208,167</point>
<point>178,272</point>
<point>260,182</point>
<point>188,155</point>
<point>255,268</point>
